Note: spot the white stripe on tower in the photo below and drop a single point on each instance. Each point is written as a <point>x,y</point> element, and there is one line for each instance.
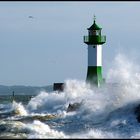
<point>95,55</point>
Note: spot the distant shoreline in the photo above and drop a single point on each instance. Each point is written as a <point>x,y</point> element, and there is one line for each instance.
<point>24,90</point>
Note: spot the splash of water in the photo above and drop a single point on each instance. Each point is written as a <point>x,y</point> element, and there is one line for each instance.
<point>96,101</point>
<point>40,130</point>
<point>19,109</point>
<point>105,112</point>
<point>127,74</point>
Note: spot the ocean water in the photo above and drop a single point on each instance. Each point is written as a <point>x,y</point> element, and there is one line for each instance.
<point>105,112</point>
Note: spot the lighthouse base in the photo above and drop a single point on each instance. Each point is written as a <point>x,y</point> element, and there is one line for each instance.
<point>94,75</point>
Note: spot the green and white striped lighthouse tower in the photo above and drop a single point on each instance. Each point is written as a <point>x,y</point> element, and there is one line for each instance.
<point>94,40</point>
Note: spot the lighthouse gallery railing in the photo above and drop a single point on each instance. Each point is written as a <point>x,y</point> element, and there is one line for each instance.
<point>94,39</point>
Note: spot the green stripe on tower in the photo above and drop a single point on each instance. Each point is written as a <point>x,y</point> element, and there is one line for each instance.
<point>94,75</point>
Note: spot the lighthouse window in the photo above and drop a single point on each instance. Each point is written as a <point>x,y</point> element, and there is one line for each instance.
<point>98,32</point>
<point>93,32</point>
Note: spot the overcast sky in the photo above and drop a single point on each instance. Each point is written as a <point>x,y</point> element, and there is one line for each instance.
<point>49,47</point>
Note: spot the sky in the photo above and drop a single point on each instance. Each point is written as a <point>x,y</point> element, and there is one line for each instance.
<point>49,47</point>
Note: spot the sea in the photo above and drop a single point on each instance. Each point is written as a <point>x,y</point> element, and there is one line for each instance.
<point>107,111</point>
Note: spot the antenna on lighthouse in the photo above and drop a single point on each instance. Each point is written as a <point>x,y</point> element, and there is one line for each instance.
<point>94,18</point>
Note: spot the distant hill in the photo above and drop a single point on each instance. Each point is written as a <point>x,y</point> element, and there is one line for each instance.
<point>23,90</point>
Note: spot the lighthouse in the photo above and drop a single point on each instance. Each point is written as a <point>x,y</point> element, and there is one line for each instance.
<point>94,40</point>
